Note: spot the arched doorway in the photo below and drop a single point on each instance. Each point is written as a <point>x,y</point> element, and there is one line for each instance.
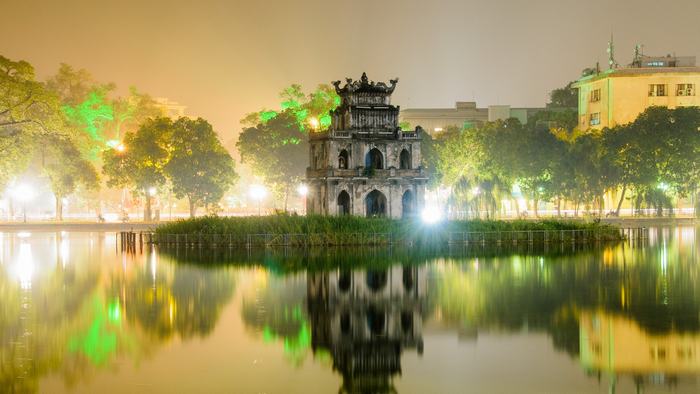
<point>376,280</point>
<point>343,160</point>
<point>376,204</point>
<point>374,159</point>
<point>407,204</point>
<point>404,160</point>
<point>343,203</point>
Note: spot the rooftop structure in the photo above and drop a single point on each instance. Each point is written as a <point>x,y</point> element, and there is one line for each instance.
<point>464,114</point>
<point>618,95</point>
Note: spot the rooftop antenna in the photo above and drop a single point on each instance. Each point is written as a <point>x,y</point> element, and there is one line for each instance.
<point>611,54</point>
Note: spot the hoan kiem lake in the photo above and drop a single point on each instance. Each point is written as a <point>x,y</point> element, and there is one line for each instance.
<point>78,316</point>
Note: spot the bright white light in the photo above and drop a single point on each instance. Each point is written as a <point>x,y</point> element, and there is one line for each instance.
<point>431,215</point>
<point>437,129</point>
<point>24,234</point>
<point>476,191</point>
<point>111,217</point>
<point>303,190</point>
<point>24,267</point>
<point>314,123</point>
<point>257,192</point>
<point>120,148</point>
<point>22,192</point>
<point>152,191</point>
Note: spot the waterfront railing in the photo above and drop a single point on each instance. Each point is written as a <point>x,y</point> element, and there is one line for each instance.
<point>129,239</point>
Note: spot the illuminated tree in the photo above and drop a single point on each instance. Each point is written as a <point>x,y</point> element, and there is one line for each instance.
<point>139,164</point>
<point>66,169</point>
<point>27,111</point>
<point>85,104</point>
<point>276,151</point>
<point>199,167</point>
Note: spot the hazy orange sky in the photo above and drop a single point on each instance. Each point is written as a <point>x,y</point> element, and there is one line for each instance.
<point>224,59</point>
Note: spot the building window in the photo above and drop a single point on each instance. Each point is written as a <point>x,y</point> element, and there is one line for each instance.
<point>685,89</point>
<point>595,95</point>
<point>594,119</point>
<point>657,90</point>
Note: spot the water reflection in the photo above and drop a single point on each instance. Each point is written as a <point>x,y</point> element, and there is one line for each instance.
<point>72,310</point>
<point>365,319</point>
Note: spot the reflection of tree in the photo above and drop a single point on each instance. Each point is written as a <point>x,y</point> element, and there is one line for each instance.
<point>650,286</point>
<point>38,317</point>
<point>171,299</point>
<point>275,309</point>
<point>74,316</point>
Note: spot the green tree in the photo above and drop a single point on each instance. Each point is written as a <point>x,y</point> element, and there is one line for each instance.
<point>276,151</point>
<point>566,97</point>
<point>140,166</point>
<point>199,167</point>
<point>28,111</point>
<point>66,170</point>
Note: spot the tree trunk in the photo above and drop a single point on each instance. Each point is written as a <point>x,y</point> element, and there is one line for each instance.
<point>147,209</point>
<point>559,206</point>
<point>286,196</point>
<point>59,208</point>
<point>535,201</point>
<point>622,198</point>
<point>193,207</point>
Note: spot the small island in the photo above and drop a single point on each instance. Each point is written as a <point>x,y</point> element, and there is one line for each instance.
<point>319,230</point>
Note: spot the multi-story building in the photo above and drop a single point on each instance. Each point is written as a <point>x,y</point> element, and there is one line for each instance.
<point>618,95</point>
<point>364,164</point>
<point>464,114</point>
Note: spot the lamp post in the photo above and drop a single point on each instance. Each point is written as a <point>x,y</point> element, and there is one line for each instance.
<point>257,193</point>
<point>303,191</point>
<point>23,193</point>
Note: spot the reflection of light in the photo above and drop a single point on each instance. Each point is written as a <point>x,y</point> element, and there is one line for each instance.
<point>431,214</point>
<point>63,251</point>
<point>24,234</point>
<point>24,269</point>
<point>153,266</point>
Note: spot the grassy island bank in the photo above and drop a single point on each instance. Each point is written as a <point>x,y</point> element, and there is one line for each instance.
<point>292,230</point>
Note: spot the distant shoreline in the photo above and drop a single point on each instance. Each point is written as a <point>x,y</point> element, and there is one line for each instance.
<point>76,227</point>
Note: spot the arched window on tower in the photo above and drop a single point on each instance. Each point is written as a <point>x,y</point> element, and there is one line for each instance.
<point>374,159</point>
<point>404,160</point>
<point>343,160</point>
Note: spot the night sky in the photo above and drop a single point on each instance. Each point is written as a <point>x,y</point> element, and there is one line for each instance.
<point>224,59</point>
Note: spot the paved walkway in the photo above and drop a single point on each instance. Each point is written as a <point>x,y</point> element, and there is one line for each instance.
<point>76,226</point>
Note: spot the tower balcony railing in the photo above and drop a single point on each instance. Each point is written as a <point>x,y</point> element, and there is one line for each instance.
<point>364,172</point>
<point>365,132</point>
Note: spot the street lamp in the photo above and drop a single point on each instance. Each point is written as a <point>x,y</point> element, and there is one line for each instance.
<point>23,193</point>
<point>257,193</point>
<point>303,191</point>
<point>314,123</point>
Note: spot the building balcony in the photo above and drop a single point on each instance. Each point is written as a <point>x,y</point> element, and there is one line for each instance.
<point>362,172</point>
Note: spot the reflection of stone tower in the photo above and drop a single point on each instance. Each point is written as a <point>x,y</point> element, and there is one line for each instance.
<point>364,164</point>
<point>365,319</point>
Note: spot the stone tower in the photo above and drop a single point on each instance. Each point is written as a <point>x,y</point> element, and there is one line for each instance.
<point>364,164</point>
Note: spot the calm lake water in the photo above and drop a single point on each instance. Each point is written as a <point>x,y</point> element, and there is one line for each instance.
<point>78,316</point>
